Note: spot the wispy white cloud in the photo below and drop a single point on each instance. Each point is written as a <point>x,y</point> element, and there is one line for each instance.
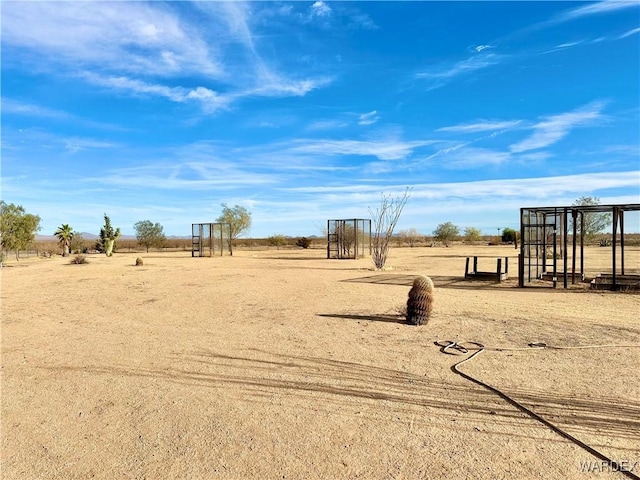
<point>210,100</point>
<point>534,157</point>
<point>327,125</point>
<point>568,44</point>
<point>276,158</point>
<point>134,47</point>
<point>577,43</point>
<point>473,157</point>
<point>531,188</point>
<point>441,75</point>
<point>257,77</point>
<point>590,9</point>
<point>277,86</point>
<point>464,156</point>
<point>368,118</point>
<point>596,8</point>
<point>38,142</point>
<point>9,106</point>
<point>447,149</point>
<point>320,9</point>
<point>633,150</point>
<point>466,66</point>
<point>554,128</point>
<point>326,15</point>
<point>383,149</point>
<point>183,176</point>
<point>12,107</point>
<point>629,33</point>
<point>480,48</point>
<point>483,126</point>
<point>76,144</point>
<point>361,20</point>
<point>131,37</point>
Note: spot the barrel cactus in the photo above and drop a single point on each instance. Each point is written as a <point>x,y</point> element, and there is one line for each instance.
<point>420,302</point>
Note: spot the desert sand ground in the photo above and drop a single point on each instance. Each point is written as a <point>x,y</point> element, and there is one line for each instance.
<point>283,364</point>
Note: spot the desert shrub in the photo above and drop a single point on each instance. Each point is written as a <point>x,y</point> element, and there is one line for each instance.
<point>79,260</point>
<point>605,242</point>
<point>593,222</point>
<point>139,262</point>
<point>47,253</point>
<point>77,244</point>
<point>237,220</point>
<point>149,234</point>
<point>277,241</point>
<point>303,242</point>
<point>420,302</point>
<point>446,233</point>
<point>409,237</point>
<point>509,235</point>
<point>472,235</point>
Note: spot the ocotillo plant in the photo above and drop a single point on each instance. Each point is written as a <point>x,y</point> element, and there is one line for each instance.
<point>420,302</point>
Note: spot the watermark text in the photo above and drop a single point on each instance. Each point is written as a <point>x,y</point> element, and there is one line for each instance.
<point>592,466</point>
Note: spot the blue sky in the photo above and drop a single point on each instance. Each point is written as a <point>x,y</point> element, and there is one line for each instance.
<point>304,111</point>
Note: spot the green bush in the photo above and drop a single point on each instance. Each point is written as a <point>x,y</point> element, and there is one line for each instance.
<point>509,235</point>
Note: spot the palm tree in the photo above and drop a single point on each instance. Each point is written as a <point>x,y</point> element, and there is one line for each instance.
<point>64,234</point>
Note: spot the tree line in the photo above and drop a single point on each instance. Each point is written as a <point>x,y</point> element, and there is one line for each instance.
<point>18,229</point>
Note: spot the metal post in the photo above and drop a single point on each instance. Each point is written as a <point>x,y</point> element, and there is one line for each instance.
<point>356,243</point>
<point>621,213</point>
<point>574,216</point>
<point>565,260</point>
<point>544,241</point>
<point>328,240</point>
<point>613,247</point>
<point>520,271</point>
<point>521,256</point>
<point>555,248</point>
<point>581,244</point>
<point>201,232</point>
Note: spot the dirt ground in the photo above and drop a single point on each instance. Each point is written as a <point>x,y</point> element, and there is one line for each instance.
<point>283,364</point>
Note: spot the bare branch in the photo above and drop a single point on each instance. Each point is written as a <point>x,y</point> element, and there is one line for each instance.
<point>385,218</point>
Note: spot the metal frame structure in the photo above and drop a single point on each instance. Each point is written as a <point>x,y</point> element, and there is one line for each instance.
<point>544,230</point>
<point>349,238</point>
<point>205,236</point>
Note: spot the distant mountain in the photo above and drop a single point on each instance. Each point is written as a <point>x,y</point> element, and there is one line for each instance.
<point>89,236</point>
<point>85,235</point>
